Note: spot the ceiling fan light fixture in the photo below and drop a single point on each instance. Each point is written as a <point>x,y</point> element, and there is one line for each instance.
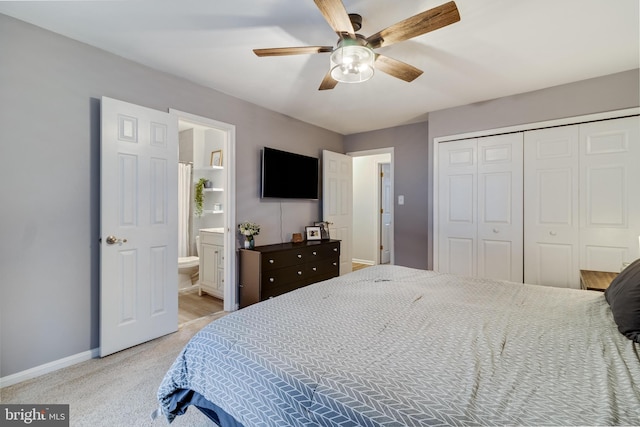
<point>352,61</point>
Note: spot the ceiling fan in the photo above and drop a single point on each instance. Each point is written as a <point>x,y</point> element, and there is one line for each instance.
<point>352,61</point>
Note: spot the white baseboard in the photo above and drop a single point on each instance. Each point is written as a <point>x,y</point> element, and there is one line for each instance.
<point>363,261</point>
<point>48,367</point>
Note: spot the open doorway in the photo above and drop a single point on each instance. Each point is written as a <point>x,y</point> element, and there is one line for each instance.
<point>207,155</point>
<point>372,207</point>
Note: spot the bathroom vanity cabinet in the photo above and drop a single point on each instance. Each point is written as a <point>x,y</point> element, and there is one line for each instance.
<point>212,262</point>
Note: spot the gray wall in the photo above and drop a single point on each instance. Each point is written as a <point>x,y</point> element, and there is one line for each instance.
<point>50,88</point>
<point>607,93</point>
<point>410,174</point>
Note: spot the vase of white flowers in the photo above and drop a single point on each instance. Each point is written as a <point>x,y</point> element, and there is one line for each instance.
<point>248,230</point>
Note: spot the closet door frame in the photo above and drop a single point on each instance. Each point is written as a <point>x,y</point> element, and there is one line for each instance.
<point>503,130</point>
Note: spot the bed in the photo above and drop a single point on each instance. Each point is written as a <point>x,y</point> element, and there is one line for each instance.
<point>395,346</point>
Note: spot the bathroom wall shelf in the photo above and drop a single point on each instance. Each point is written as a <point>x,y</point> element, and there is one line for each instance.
<point>212,189</point>
<point>209,168</point>
<point>210,212</point>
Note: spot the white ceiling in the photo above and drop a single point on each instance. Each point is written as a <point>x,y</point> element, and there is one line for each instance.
<point>499,48</point>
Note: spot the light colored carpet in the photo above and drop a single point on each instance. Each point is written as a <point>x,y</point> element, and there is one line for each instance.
<point>118,390</point>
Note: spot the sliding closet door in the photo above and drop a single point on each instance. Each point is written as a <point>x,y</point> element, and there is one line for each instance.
<point>457,205</point>
<point>609,193</point>
<point>551,227</point>
<point>500,228</point>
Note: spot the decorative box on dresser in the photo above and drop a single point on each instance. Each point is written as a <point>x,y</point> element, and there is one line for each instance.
<point>271,270</point>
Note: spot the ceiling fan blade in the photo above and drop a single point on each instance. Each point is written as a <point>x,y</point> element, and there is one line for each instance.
<point>328,82</point>
<point>282,51</point>
<point>398,69</point>
<point>336,16</point>
<point>417,25</point>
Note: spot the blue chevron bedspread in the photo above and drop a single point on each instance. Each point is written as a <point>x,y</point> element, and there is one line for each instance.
<point>394,346</point>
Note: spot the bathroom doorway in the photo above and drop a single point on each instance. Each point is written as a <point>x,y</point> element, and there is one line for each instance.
<point>207,149</point>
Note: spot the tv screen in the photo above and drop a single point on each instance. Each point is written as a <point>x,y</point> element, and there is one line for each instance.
<point>289,175</point>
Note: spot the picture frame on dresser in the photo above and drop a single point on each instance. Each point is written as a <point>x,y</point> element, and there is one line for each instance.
<point>313,232</point>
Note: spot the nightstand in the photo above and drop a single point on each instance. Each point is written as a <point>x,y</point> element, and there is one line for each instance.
<point>596,280</point>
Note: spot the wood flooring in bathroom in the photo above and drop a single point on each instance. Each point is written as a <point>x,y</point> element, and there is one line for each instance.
<point>191,306</point>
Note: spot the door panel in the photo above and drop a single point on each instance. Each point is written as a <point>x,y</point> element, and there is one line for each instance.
<point>337,206</point>
<point>551,209</point>
<point>457,207</point>
<point>500,224</point>
<point>555,264</point>
<point>138,190</point>
<point>609,196</point>
<point>385,213</point>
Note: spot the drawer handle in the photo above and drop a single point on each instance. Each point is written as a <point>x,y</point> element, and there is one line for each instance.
<point>315,253</point>
<point>271,261</point>
<point>335,263</point>
<point>553,233</point>
<point>314,269</point>
<point>299,255</point>
<point>271,279</point>
<point>299,273</point>
<point>335,249</point>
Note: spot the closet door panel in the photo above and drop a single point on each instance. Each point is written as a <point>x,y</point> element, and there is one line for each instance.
<point>609,195</point>
<point>500,224</point>
<point>551,208</point>
<point>555,264</point>
<point>457,202</point>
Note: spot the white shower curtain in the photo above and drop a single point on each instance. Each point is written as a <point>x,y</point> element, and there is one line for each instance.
<point>184,206</point>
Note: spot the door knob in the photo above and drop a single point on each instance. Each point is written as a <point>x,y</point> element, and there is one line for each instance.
<point>112,240</point>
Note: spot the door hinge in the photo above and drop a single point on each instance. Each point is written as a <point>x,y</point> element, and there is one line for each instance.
<point>381,247</point>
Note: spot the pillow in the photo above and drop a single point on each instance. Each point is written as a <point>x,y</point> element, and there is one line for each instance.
<point>623,295</point>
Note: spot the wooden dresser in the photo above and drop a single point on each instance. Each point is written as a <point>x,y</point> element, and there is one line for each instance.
<point>271,270</point>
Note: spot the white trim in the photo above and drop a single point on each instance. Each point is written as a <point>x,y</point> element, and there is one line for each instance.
<point>539,125</point>
<point>230,292</point>
<point>615,114</point>
<point>363,261</point>
<point>375,152</point>
<point>49,367</point>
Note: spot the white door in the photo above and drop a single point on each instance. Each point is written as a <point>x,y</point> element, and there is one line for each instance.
<point>609,194</point>
<point>385,213</point>
<point>480,207</point>
<point>500,224</point>
<point>551,230</point>
<point>337,202</point>
<point>139,229</point>
<point>457,204</point>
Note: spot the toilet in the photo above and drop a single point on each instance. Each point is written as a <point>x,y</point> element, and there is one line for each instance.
<point>188,268</point>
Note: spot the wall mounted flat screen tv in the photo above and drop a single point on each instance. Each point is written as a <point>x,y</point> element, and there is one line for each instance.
<point>288,175</point>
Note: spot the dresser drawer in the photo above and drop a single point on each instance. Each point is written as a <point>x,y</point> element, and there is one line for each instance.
<point>324,267</point>
<point>323,251</point>
<point>276,260</point>
<point>277,277</point>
